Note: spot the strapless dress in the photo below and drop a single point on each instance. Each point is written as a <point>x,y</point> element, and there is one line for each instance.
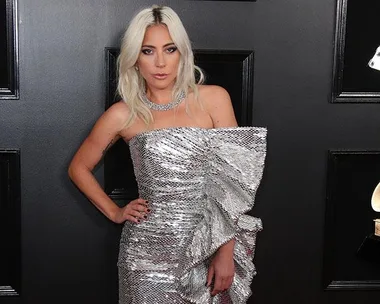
<point>199,184</point>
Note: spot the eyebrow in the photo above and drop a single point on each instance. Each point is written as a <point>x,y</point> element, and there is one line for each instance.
<point>153,47</point>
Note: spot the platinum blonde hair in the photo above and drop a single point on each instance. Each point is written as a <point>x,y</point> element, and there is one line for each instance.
<point>131,85</point>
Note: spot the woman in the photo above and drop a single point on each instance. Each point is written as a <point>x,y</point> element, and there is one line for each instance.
<point>185,239</point>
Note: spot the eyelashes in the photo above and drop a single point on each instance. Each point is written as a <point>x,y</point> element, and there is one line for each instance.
<point>172,49</point>
<point>169,50</point>
<point>146,51</point>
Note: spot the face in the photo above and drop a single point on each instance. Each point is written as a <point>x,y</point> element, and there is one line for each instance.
<point>159,58</point>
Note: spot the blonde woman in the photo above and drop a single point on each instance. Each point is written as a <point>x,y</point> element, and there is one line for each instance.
<point>185,239</point>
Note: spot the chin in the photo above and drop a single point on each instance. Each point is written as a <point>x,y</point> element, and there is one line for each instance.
<point>161,84</point>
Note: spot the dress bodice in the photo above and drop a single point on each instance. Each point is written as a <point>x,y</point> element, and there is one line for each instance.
<point>179,159</point>
<point>170,162</point>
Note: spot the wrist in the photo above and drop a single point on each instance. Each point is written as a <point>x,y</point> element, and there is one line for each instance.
<point>227,248</point>
<point>112,214</point>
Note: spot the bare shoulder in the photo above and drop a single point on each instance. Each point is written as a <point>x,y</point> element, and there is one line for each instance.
<point>213,94</point>
<point>111,122</point>
<point>119,111</point>
<point>115,117</point>
<point>218,104</point>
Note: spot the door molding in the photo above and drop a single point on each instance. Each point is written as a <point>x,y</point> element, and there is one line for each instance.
<point>10,222</point>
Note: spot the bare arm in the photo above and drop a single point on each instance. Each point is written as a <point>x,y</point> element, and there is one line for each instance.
<point>103,135</point>
<point>222,269</point>
<point>219,106</point>
<point>222,114</point>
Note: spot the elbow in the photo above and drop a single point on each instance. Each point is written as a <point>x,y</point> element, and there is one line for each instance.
<point>71,170</point>
<point>77,169</point>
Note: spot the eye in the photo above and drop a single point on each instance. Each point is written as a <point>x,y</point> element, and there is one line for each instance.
<point>147,51</point>
<point>171,49</point>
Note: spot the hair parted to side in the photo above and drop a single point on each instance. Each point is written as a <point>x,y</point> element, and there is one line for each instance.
<point>131,85</point>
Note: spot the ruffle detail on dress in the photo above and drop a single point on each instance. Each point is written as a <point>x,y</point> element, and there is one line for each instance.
<point>235,169</point>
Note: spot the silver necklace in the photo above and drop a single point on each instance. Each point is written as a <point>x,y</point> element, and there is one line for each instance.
<point>163,107</point>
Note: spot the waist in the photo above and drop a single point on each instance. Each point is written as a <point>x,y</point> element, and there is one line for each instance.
<point>171,186</point>
<point>169,217</point>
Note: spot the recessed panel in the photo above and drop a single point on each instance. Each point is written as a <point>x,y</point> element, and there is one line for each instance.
<point>10,223</point>
<point>356,42</point>
<point>9,86</point>
<point>352,178</point>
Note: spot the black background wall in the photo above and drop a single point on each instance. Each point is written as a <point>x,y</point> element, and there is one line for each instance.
<point>69,249</point>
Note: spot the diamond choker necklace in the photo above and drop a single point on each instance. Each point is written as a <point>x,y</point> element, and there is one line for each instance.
<point>163,107</point>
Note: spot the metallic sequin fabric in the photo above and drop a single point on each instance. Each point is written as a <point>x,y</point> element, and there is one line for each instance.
<point>199,183</point>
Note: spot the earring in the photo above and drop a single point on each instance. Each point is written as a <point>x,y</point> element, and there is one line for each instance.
<point>136,68</point>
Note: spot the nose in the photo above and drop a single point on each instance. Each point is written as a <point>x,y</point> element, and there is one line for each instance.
<point>160,60</point>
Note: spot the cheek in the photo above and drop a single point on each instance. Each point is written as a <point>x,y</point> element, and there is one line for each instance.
<point>175,62</point>
<point>144,70</point>
<point>145,62</point>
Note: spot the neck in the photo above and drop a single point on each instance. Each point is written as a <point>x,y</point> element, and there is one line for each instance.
<point>158,96</point>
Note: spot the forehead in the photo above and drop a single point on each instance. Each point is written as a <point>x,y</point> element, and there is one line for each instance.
<point>157,35</point>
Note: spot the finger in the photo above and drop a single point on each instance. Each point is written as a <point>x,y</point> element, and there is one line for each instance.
<point>216,291</point>
<point>137,214</point>
<point>230,282</point>
<point>226,283</point>
<point>132,219</point>
<point>217,285</point>
<point>138,201</point>
<point>142,201</point>
<point>141,208</point>
<point>210,275</point>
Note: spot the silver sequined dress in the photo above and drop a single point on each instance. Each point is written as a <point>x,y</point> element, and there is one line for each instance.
<point>199,183</point>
